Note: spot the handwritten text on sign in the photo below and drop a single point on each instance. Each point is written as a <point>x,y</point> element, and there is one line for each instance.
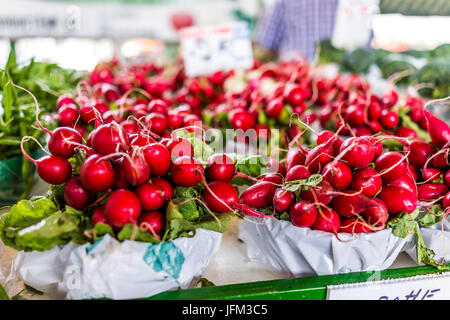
<point>214,48</point>
<point>426,287</point>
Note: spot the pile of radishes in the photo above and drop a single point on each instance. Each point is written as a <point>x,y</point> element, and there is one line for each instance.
<point>122,122</point>
<point>361,184</point>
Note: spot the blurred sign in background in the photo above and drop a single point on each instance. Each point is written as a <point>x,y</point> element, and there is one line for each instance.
<point>78,34</point>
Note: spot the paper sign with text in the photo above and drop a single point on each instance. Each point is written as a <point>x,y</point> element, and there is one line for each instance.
<point>426,287</point>
<point>208,49</point>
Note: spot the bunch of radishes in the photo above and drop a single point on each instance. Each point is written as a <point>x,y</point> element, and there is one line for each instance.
<point>361,185</point>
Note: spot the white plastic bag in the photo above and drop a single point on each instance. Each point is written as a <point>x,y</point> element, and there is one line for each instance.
<point>297,252</point>
<point>436,240</point>
<point>118,270</point>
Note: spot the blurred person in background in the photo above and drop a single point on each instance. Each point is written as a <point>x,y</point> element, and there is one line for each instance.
<point>291,28</point>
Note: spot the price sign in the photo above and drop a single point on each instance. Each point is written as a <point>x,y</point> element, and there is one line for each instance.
<point>426,287</point>
<point>214,48</point>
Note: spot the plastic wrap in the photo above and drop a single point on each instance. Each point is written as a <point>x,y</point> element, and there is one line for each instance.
<point>296,252</point>
<point>435,239</point>
<point>118,270</point>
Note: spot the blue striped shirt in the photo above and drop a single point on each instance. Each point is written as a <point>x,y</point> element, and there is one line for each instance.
<point>296,26</point>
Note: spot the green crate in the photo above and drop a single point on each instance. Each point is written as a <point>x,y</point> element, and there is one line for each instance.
<point>307,288</point>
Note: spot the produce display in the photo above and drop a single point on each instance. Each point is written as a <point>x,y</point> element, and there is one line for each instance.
<point>130,156</point>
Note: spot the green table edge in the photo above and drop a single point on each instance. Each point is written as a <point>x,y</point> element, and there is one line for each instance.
<point>305,288</point>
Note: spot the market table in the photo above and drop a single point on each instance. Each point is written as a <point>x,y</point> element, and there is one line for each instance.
<point>229,266</point>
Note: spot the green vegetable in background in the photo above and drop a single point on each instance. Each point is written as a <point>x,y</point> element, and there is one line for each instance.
<point>435,75</point>
<point>357,61</point>
<point>46,81</point>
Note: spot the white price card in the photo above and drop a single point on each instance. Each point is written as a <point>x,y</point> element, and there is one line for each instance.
<point>424,287</point>
<point>208,49</point>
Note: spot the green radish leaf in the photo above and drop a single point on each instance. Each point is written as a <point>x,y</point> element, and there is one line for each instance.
<point>206,283</point>
<point>405,224</point>
<point>303,184</point>
<point>133,232</point>
<point>12,60</point>
<point>44,235</point>
<point>426,255</point>
<point>102,229</point>
<point>433,215</point>
<point>3,294</point>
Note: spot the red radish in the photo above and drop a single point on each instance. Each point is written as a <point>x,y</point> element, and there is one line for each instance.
<point>406,132</point>
<point>357,152</point>
<point>297,172</point>
<point>68,114</point>
<point>293,94</point>
<point>378,214</point>
<point>222,190</point>
<point>294,157</point>
<point>440,160</point>
<point>122,207</point>
<point>322,193</point>
<point>413,171</point>
<point>98,215</point>
<point>366,180</point>
<point>355,225</point>
<point>378,147</point>
<point>259,195</point>
<point>221,167</point>
<point>187,171</point>
<point>120,181</point>
<point>374,126</point>
<point>152,221</point>
<point>273,177</point>
<point>109,138</point>
<point>352,203</point>
<point>431,174</point>
<point>406,181</point>
<point>165,185</point>
<point>157,105</point>
<point>140,140</point>
<point>63,142</point>
<point>318,157</point>
<point>75,195</point>
<point>274,108</point>
<point>355,116</point>
<point>328,221</point>
<point>158,158</point>
<point>419,152</point>
<point>52,169</point>
<point>282,200</point>
<point>431,191</point>
<point>303,214</point>
<point>276,166</point>
<point>446,201</point>
<point>374,111</point>
<point>439,131</point>
<point>97,174</point>
<point>81,129</point>
<point>151,196</point>
<point>136,169</point>
<point>178,147</point>
<point>389,119</point>
<point>338,174</point>
<point>398,200</point>
<point>241,120</point>
<point>157,122</point>
<point>63,99</point>
<point>129,126</point>
<point>391,165</point>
